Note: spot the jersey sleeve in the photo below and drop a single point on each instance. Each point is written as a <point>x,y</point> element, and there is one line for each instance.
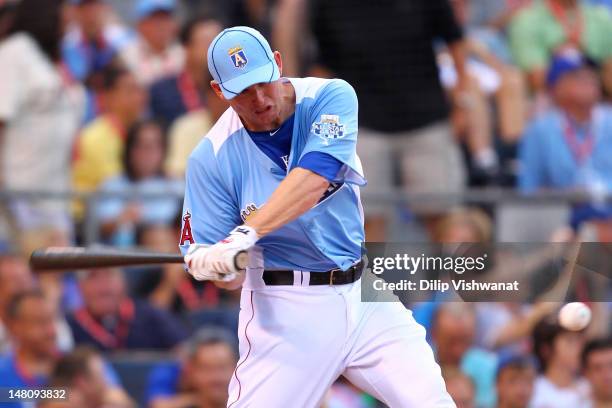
<point>333,130</point>
<point>321,163</point>
<point>209,210</point>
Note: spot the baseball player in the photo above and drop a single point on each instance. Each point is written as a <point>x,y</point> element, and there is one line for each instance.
<point>278,176</point>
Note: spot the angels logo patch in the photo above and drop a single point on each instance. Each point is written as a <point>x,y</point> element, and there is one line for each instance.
<point>329,128</point>
<point>186,234</point>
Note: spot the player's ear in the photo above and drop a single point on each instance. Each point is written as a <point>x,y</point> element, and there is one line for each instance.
<point>279,61</point>
<point>217,88</point>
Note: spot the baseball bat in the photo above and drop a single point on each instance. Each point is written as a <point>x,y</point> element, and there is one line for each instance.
<point>66,258</point>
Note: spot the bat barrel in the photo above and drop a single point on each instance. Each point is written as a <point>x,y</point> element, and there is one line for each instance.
<point>82,258</point>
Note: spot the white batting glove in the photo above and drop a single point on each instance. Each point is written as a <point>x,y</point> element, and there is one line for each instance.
<point>216,262</point>
<point>195,264</point>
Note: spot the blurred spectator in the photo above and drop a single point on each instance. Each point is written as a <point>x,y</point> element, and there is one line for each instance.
<point>202,377</point>
<point>494,16</point>
<point>168,286</point>
<point>109,320</point>
<point>597,369</point>
<point>82,374</point>
<point>569,147</point>
<point>558,351</point>
<point>7,13</point>
<point>143,158</point>
<point>452,332</point>
<point>161,284</point>
<point>154,54</point>
<point>176,95</point>
<point>461,225</point>
<point>259,14</point>
<point>30,321</point>
<point>124,10</point>
<point>460,387</point>
<point>464,225</point>
<point>385,51</point>
<point>185,134</point>
<point>15,278</point>
<point>514,382</point>
<point>505,326</point>
<point>539,31</point>
<point>100,146</point>
<point>487,23</point>
<point>92,44</point>
<point>40,111</point>
<point>491,79</point>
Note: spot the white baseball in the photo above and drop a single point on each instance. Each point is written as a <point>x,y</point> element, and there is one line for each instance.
<point>575,316</point>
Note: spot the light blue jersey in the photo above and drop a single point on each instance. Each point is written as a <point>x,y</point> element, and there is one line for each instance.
<point>229,178</point>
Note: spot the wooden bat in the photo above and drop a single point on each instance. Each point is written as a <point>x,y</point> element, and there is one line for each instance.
<point>67,258</point>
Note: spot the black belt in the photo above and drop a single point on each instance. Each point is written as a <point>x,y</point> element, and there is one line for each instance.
<point>331,277</point>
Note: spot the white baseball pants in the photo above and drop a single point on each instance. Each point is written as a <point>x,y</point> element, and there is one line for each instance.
<point>295,341</point>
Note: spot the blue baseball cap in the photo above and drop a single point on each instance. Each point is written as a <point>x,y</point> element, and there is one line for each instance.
<point>565,62</point>
<point>144,8</point>
<point>239,57</point>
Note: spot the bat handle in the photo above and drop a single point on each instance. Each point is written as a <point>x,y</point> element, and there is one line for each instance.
<point>241,260</point>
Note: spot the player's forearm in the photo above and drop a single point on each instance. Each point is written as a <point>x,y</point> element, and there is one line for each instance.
<point>298,193</point>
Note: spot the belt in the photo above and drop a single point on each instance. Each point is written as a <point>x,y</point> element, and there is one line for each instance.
<point>332,277</point>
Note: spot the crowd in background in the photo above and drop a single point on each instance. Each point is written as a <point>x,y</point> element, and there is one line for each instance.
<point>111,96</point>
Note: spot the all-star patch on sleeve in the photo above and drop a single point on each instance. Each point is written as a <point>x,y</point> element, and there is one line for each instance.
<point>333,129</point>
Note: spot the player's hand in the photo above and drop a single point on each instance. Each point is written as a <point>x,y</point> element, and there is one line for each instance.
<point>216,262</point>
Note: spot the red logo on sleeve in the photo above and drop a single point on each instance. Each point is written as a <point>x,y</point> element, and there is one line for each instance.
<point>186,235</point>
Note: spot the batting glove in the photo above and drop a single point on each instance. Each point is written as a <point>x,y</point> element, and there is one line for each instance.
<point>216,262</point>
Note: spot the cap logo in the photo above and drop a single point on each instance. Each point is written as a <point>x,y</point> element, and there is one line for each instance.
<point>238,57</point>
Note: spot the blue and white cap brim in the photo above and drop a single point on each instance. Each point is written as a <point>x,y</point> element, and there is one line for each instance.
<point>266,73</point>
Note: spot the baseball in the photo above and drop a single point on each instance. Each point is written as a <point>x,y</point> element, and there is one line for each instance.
<point>575,316</point>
